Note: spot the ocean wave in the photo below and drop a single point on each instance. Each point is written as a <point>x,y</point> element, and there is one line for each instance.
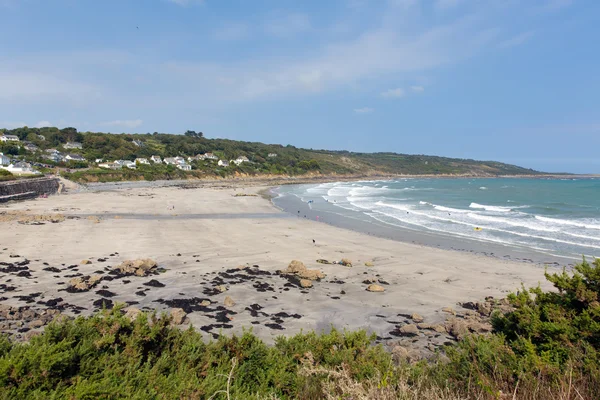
<point>482,188</point>
<point>490,208</point>
<point>577,223</point>
<point>512,222</point>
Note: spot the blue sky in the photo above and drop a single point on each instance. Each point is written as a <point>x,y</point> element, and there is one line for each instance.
<point>508,80</point>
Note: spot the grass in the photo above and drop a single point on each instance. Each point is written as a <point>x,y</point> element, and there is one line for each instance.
<point>547,348</point>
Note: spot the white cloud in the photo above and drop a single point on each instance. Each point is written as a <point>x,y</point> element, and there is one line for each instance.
<point>393,93</point>
<point>364,110</point>
<point>288,25</point>
<point>128,123</point>
<point>516,40</point>
<point>42,124</point>
<point>417,89</point>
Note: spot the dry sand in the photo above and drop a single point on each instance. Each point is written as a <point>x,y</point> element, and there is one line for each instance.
<point>195,234</point>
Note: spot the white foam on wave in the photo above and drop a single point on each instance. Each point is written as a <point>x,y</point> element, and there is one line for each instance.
<point>526,235</point>
<point>577,223</point>
<point>512,222</point>
<point>490,208</point>
<point>482,188</point>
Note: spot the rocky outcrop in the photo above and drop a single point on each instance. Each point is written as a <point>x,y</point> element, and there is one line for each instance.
<point>298,269</point>
<point>83,283</point>
<point>140,267</point>
<point>178,316</point>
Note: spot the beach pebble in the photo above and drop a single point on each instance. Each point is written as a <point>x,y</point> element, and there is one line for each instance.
<point>85,262</point>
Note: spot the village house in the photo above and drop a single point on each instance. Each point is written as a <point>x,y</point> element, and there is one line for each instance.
<point>272,155</point>
<point>56,156</point>
<point>9,138</point>
<point>138,143</point>
<point>73,145</point>
<point>126,163</point>
<point>41,137</point>
<point>99,160</point>
<point>21,167</point>
<point>223,163</point>
<point>142,161</point>
<point>4,160</point>
<point>184,167</point>
<point>156,159</point>
<point>170,161</point>
<point>74,157</point>
<point>210,156</point>
<point>241,159</point>
<point>110,165</point>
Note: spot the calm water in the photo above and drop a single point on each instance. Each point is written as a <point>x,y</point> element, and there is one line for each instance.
<point>558,217</point>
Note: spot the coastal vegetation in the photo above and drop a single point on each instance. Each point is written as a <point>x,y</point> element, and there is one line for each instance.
<point>546,347</point>
<point>264,159</point>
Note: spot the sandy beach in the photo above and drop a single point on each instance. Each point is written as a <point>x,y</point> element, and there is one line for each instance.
<point>211,237</point>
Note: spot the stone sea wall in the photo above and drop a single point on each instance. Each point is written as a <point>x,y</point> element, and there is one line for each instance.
<point>28,188</point>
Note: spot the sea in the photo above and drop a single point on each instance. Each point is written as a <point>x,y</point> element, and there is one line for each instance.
<point>553,219</point>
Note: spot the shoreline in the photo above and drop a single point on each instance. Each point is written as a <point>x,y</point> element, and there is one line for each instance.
<point>422,238</point>
<point>205,238</point>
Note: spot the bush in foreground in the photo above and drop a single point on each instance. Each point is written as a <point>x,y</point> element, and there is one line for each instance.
<point>547,348</point>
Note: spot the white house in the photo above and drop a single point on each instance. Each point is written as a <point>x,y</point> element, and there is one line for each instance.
<point>4,160</point>
<point>9,138</point>
<point>125,163</point>
<point>74,157</point>
<point>241,159</point>
<point>56,157</point>
<point>210,156</point>
<point>170,161</point>
<point>272,155</point>
<point>21,167</point>
<point>223,163</point>
<point>142,161</point>
<point>138,143</point>
<point>110,165</point>
<point>99,160</point>
<point>52,151</point>
<point>184,167</point>
<point>156,159</point>
<point>73,145</point>
<point>41,137</point>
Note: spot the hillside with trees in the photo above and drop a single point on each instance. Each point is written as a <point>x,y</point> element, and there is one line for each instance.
<point>264,159</point>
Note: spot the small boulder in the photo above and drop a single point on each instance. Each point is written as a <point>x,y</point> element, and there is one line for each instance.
<point>409,330</point>
<point>85,262</point>
<point>36,323</point>
<point>424,325</point>
<point>205,303</point>
<point>375,288</point>
<point>439,328</point>
<point>417,318</point>
<point>306,283</point>
<point>178,316</point>
<point>228,302</point>
<point>458,328</point>
<point>369,264</point>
